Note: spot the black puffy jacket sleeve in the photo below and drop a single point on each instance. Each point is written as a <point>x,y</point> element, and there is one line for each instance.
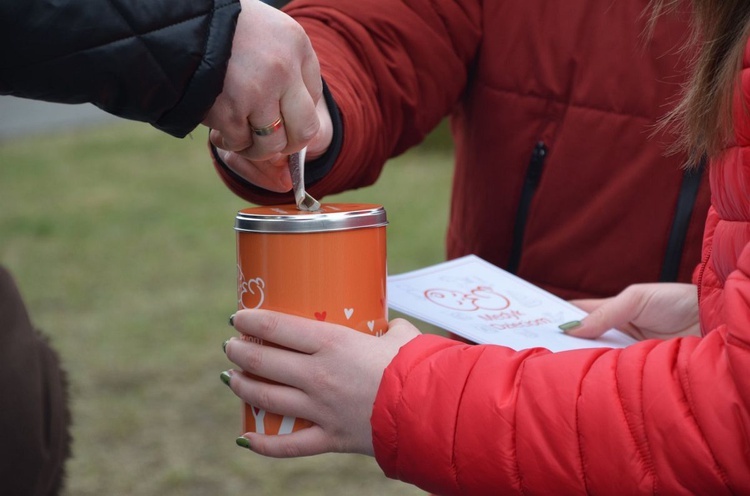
<point>157,61</point>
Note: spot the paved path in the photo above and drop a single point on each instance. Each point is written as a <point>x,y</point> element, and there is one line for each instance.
<point>20,117</point>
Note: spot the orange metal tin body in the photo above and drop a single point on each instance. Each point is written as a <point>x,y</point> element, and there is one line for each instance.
<point>328,265</point>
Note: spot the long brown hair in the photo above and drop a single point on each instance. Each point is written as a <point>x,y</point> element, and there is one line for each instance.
<point>703,119</point>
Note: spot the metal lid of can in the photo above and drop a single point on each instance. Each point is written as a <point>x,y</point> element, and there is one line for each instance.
<point>330,217</point>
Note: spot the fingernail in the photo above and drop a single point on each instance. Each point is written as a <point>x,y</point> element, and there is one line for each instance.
<point>225,377</point>
<point>569,326</point>
<point>243,442</point>
<point>224,346</point>
<point>231,320</point>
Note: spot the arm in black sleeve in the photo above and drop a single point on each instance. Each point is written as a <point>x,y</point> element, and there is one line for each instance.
<point>157,61</point>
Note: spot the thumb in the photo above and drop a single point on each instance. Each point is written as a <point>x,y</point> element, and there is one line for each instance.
<point>612,313</point>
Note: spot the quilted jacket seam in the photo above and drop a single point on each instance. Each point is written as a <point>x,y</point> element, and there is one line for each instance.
<point>201,65</point>
<point>694,414</point>
<point>200,71</point>
<point>647,444</point>
<point>137,36</point>
<point>455,424</point>
<point>132,35</point>
<point>644,449</point>
<point>741,343</point>
<point>515,433</point>
<point>567,102</point>
<point>581,457</point>
<point>396,419</point>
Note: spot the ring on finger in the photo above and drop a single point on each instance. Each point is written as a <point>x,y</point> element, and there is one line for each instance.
<point>269,129</point>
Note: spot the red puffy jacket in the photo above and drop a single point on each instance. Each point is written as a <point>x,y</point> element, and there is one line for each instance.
<point>552,106</point>
<point>659,417</point>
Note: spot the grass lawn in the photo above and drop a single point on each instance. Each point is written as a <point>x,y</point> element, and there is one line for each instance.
<point>121,239</point>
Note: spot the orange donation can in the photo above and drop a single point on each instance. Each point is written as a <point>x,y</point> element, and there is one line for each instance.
<point>328,265</point>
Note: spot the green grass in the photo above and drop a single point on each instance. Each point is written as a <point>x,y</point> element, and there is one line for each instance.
<point>121,239</point>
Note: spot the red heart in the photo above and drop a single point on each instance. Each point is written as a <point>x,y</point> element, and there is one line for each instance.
<point>320,315</point>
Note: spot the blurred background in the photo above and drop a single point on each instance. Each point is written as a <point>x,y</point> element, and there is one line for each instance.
<point>121,240</point>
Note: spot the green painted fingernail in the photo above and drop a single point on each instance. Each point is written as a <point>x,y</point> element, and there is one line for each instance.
<point>224,346</point>
<point>243,442</point>
<point>569,326</point>
<point>231,320</point>
<point>225,377</point>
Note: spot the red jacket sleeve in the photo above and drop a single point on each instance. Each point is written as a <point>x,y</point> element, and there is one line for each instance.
<point>667,417</point>
<point>394,69</point>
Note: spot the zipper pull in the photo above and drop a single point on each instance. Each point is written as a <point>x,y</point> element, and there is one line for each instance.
<point>534,173</point>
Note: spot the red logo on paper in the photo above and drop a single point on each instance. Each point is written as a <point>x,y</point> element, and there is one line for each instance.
<point>479,298</point>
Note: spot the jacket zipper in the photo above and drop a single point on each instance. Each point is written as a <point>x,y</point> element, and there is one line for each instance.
<point>533,176</point>
<point>691,181</point>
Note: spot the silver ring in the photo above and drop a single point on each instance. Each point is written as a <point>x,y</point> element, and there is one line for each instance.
<point>269,129</point>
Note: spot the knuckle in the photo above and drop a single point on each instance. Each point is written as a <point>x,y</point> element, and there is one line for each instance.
<point>252,361</point>
<point>300,39</point>
<point>231,144</point>
<point>264,397</point>
<point>322,378</point>
<point>269,325</point>
<point>309,132</point>
<point>330,340</point>
<point>276,68</point>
